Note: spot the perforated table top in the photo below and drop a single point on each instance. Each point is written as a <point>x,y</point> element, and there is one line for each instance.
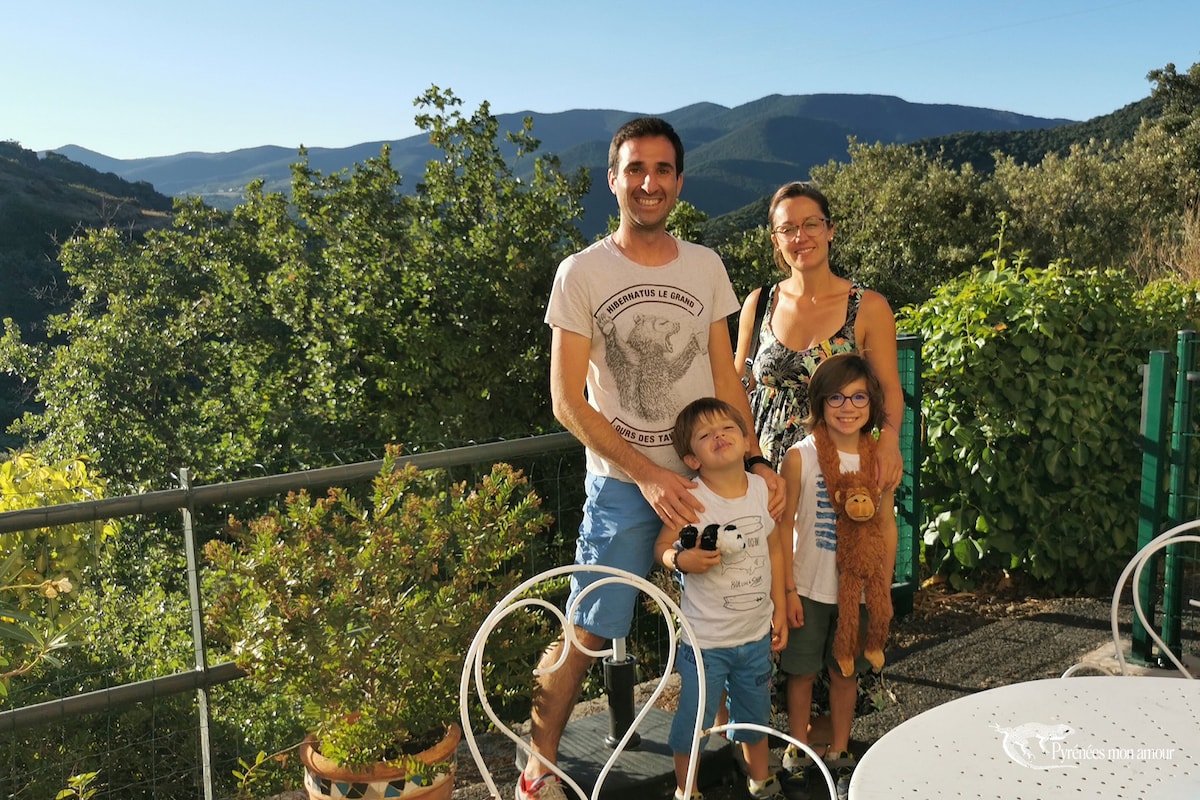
<point>1078,737</point>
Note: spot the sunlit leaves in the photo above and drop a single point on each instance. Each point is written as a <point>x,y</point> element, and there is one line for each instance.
<point>342,317</point>
<point>42,569</point>
<point>1031,405</point>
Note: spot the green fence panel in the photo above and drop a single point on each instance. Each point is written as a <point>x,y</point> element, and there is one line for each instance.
<point>1167,498</point>
<point>1180,507</point>
<point>1155,395</point>
<point>908,494</point>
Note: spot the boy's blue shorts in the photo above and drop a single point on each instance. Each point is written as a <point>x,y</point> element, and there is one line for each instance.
<point>743,671</point>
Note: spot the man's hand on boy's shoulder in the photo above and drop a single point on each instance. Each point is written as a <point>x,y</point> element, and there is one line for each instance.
<point>776,489</point>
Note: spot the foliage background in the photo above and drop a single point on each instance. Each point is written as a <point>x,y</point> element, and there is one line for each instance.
<point>304,328</point>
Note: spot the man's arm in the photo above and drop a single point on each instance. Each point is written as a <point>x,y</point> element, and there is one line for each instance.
<point>666,491</point>
<point>728,387</point>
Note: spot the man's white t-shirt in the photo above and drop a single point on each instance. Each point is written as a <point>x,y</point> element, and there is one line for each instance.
<point>649,330</point>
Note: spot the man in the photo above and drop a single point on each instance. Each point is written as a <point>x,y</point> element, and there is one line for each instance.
<point>638,331</point>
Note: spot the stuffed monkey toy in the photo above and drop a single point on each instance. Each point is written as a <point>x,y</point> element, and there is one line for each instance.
<point>861,551</point>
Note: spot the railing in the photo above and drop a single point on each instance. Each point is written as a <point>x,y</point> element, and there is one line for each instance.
<point>44,742</point>
<point>1169,492</point>
<point>153,737</point>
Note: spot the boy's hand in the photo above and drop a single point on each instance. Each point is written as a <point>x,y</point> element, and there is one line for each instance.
<point>697,559</point>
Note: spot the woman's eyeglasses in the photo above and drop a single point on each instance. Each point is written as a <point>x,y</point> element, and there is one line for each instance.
<point>811,227</point>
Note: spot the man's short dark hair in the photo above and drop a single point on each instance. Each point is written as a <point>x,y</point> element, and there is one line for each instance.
<point>640,128</point>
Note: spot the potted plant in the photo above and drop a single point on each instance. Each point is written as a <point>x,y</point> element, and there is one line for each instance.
<point>363,612</point>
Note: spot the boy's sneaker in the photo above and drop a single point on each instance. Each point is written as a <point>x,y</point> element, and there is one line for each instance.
<point>795,773</point>
<point>764,790</point>
<point>546,787</point>
<point>841,766</point>
<point>695,795</point>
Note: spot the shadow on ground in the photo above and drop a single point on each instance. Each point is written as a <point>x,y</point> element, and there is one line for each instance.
<point>951,645</point>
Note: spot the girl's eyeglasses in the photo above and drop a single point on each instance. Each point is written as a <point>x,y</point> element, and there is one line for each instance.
<point>858,400</point>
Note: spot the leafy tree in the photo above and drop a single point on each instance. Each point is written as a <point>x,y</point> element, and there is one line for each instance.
<point>1114,205</point>
<point>41,569</point>
<point>687,222</point>
<point>1073,207</point>
<point>749,259</point>
<point>905,223</point>
<point>346,317</point>
<point>1174,156</point>
<point>1179,95</point>
<point>1031,409</point>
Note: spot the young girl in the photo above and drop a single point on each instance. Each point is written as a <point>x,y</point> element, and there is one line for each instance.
<point>846,402</point>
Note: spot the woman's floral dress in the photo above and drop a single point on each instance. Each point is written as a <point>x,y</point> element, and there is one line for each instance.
<point>779,399</point>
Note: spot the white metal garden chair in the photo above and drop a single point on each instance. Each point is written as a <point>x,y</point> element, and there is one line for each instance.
<point>1176,535</point>
<point>517,599</point>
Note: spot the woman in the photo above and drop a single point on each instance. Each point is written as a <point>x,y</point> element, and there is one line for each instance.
<point>810,315</point>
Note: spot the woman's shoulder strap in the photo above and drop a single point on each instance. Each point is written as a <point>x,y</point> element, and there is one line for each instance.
<point>760,312</point>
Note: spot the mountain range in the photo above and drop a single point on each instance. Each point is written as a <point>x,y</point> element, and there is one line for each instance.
<point>734,156</point>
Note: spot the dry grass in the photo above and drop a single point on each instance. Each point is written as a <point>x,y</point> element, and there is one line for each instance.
<point>1176,255</point>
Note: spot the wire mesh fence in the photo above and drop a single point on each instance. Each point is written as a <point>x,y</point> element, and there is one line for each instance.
<point>138,702</point>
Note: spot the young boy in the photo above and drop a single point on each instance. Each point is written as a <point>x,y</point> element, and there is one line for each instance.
<point>846,401</point>
<point>731,567</point>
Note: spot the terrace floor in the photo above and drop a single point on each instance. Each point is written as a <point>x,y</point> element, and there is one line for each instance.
<point>951,645</point>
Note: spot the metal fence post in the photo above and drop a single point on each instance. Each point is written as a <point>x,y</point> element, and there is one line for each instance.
<point>1178,507</point>
<point>189,542</point>
<point>1154,471</point>
<point>908,494</point>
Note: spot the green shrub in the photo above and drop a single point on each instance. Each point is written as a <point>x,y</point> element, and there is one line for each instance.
<point>1031,406</point>
<point>364,612</point>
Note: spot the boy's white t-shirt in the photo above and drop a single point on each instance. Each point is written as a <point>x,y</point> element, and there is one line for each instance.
<point>730,604</point>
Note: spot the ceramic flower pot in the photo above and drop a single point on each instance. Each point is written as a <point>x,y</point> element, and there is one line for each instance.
<point>325,780</point>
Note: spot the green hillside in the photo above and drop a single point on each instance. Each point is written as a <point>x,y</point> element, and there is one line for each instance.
<point>1031,146</point>
<point>44,202</point>
<point>974,147</point>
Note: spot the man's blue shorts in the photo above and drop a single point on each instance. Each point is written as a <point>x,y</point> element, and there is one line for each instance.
<point>618,530</point>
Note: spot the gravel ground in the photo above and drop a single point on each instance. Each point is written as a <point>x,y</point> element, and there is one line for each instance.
<point>952,644</point>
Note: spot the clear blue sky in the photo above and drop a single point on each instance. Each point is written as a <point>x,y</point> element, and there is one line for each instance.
<point>132,78</point>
